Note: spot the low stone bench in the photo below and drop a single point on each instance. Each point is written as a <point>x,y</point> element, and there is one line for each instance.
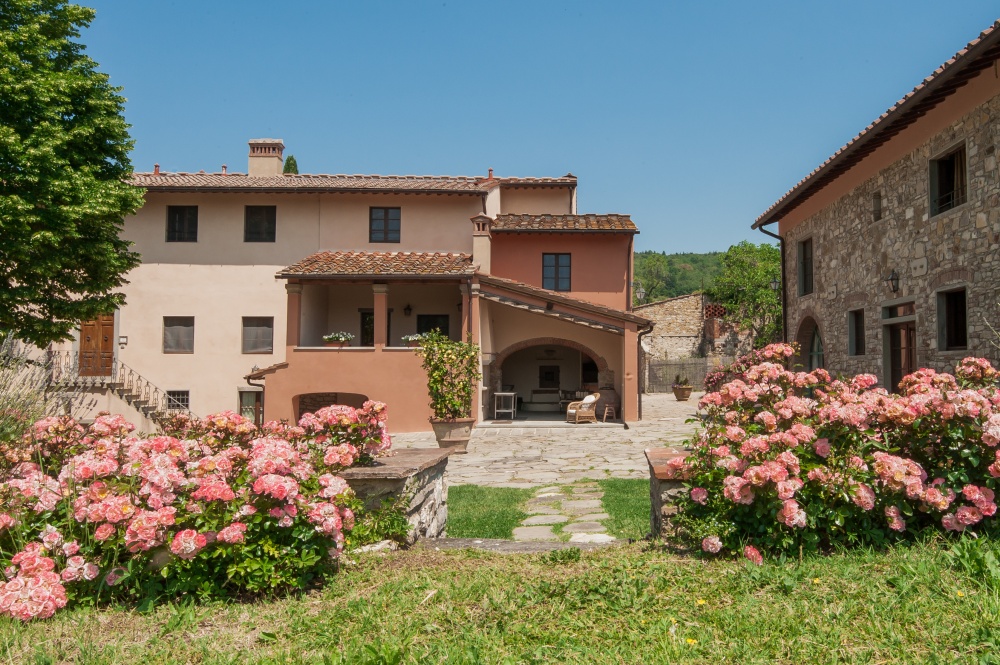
<point>663,492</point>
<point>416,473</point>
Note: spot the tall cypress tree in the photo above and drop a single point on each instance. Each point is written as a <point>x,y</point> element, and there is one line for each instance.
<point>64,168</point>
<point>291,166</point>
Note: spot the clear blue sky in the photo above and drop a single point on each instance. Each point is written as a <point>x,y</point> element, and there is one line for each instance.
<point>693,117</point>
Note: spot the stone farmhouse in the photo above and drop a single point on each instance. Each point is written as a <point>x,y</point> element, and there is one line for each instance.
<point>891,248</point>
<point>243,274</point>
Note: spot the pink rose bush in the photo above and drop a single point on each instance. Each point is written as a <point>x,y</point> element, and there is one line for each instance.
<point>800,459</point>
<point>217,505</point>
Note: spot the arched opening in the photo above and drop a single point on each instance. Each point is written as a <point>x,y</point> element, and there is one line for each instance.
<point>312,402</point>
<point>548,373</point>
<point>810,343</point>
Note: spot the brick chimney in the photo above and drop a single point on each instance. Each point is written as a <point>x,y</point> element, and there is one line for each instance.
<point>265,158</point>
<point>482,244</point>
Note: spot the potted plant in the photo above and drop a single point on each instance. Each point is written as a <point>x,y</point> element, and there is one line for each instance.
<point>452,378</point>
<point>338,339</point>
<point>682,388</point>
<point>414,340</point>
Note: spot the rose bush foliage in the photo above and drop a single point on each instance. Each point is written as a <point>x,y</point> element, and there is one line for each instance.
<point>213,507</point>
<point>791,460</point>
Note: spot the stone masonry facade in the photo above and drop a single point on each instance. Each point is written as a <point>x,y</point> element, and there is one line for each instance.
<point>853,254</point>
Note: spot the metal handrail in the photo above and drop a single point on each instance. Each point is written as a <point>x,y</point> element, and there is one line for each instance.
<point>129,384</point>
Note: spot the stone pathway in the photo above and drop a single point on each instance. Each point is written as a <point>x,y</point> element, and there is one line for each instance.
<point>570,513</point>
<point>556,454</point>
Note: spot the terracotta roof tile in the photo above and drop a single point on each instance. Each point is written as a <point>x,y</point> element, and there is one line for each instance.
<point>557,297</point>
<point>564,223</point>
<point>380,264</point>
<point>567,180</point>
<point>978,54</point>
<point>308,183</point>
<point>240,182</point>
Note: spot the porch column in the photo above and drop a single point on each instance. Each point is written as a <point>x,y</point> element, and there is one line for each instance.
<point>473,313</point>
<point>381,292</point>
<point>293,322</point>
<point>630,382</point>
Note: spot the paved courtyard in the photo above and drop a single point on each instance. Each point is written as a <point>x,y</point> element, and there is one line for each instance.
<point>555,453</point>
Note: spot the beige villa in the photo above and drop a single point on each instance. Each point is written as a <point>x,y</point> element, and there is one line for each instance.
<point>891,248</point>
<point>243,274</point>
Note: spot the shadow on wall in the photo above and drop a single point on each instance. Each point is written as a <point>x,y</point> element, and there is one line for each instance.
<point>312,402</point>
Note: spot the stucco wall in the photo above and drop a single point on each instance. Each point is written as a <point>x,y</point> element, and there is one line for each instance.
<point>599,268</point>
<point>536,200</point>
<point>958,248</point>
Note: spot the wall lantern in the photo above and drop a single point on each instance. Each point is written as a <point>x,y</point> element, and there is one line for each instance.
<point>893,281</point>
<point>122,341</point>
<point>640,293</point>
<point>775,284</point>
<point>407,310</point>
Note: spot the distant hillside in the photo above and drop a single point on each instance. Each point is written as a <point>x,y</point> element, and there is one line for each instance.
<point>668,275</point>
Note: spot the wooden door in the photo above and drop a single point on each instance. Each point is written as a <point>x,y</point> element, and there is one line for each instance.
<point>97,350</point>
<point>902,352</point>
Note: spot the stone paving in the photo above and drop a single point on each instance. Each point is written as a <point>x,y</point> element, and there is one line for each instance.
<point>531,454</point>
<point>565,513</point>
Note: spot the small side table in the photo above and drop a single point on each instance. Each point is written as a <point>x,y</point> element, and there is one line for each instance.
<point>505,403</point>
<point>609,409</point>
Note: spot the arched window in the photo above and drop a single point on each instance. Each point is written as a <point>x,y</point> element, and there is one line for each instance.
<point>815,351</point>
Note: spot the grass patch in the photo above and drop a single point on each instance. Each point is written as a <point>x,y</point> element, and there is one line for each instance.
<point>626,604</point>
<point>626,501</point>
<point>485,512</point>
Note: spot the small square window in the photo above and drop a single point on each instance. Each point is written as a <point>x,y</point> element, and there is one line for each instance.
<point>258,334</point>
<point>556,272</point>
<point>182,223</point>
<point>948,186</point>
<point>877,206</point>
<point>178,334</point>
<point>856,332</point>
<point>806,267</point>
<point>259,223</point>
<point>953,334</point>
<point>383,224</point>
<point>178,400</point>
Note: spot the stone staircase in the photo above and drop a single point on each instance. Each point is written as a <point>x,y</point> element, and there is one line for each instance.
<point>114,376</point>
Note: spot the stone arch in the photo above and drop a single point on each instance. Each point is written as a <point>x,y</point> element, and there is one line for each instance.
<point>493,378</point>
<point>805,337</point>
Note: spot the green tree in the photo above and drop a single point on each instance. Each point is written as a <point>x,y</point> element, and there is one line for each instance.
<point>63,175</point>
<point>744,289</point>
<point>291,166</point>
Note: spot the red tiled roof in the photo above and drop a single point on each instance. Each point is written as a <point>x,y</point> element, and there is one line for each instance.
<point>556,297</point>
<point>568,180</point>
<point>380,264</point>
<point>564,223</point>
<point>978,54</point>
<point>217,182</point>
<point>305,183</point>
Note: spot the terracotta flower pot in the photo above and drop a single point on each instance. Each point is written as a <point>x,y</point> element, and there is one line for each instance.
<point>683,393</point>
<point>453,434</point>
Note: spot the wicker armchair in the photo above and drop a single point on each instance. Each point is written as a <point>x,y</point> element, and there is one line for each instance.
<point>584,411</point>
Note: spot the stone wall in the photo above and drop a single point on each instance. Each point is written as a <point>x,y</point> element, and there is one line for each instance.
<point>416,474</point>
<point>853,254</point>
<point>678,327</point>
<point>663,493</point>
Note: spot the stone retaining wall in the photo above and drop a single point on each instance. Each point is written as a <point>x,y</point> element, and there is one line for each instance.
<point>663,493</point>
<point>413,473</point>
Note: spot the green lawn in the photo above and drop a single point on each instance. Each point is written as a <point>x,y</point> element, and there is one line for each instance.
<point>626,604</point>
<point>485,512</point>
<point>626,501</point>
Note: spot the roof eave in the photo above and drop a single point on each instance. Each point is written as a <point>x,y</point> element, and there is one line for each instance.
<point>967,64</point>
<point>360,276</point>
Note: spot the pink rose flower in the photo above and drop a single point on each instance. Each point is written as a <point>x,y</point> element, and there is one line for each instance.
<point>699,495</point>
<point>822,447</point>
<point>753,554</point>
